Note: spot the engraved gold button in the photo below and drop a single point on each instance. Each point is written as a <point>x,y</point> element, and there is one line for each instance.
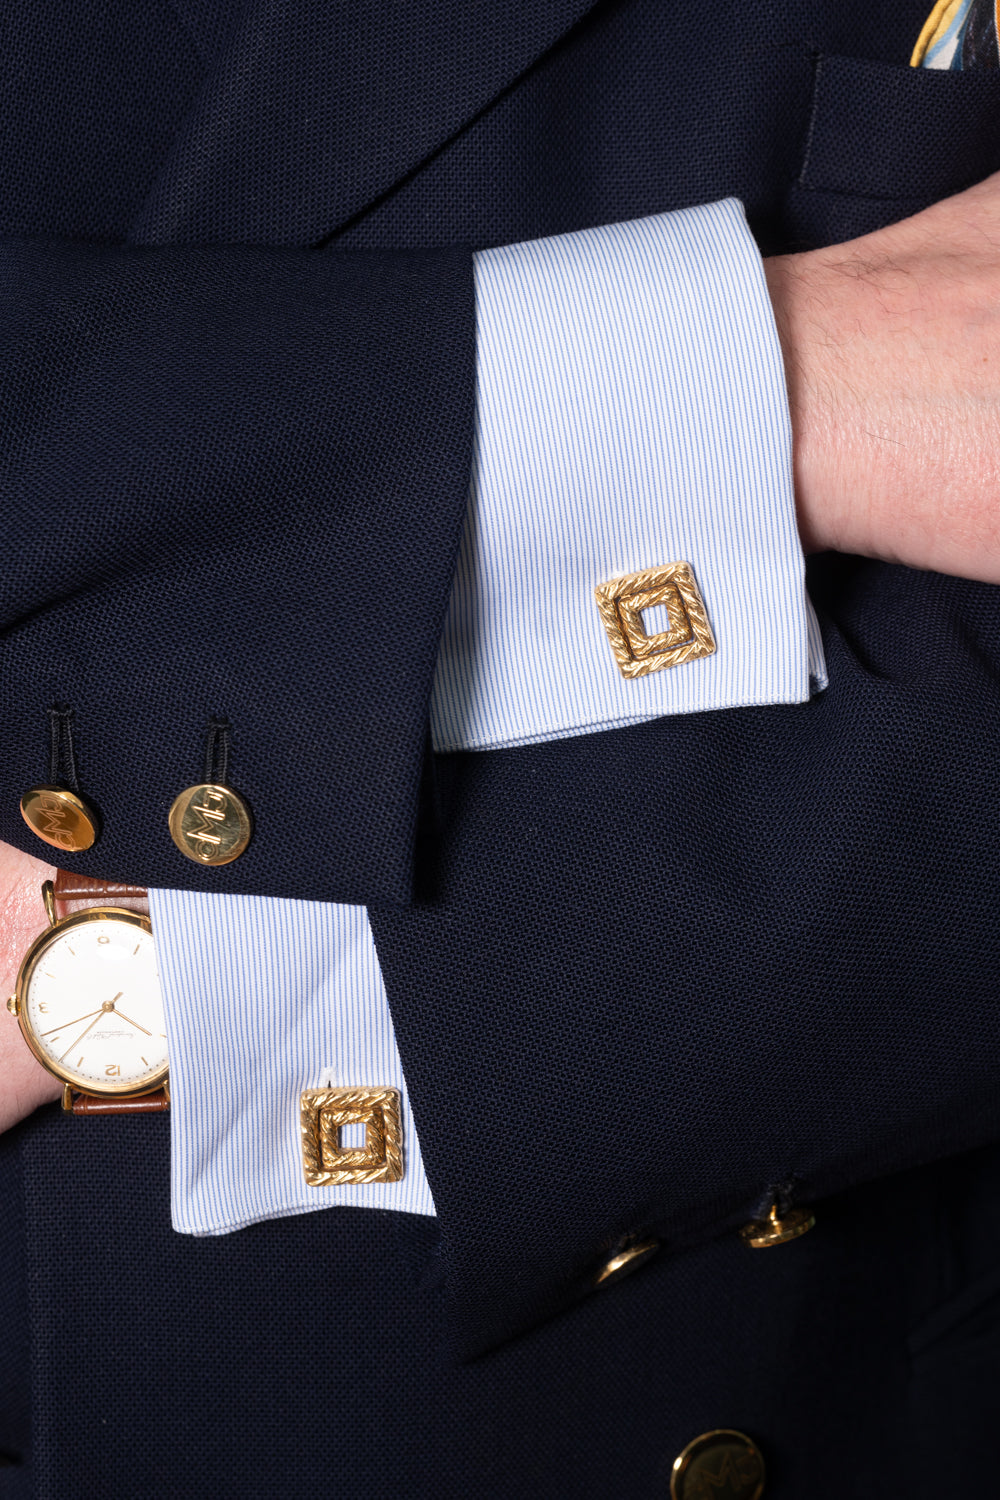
<point>621,604</point>
<point>210,824</point>
<point>777,1229</point>
<point>59,818</point>
<point>721,1462</point>
<point>324,1113</point>
<point>628,1259</point>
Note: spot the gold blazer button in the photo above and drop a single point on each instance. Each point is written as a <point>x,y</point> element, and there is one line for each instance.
<point>721,1462</point>
<point>210,824</point>
<point>628,1258</point>
<point>59,818</point>
<point>777,1229</point>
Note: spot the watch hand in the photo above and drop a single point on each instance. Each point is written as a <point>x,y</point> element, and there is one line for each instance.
<point>71,1023</point>
<point>133,1023</point>
<point>83,1033</point>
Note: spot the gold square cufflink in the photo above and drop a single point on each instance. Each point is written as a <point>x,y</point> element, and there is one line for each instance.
<point>324,1114</point>
<point>621,603</point>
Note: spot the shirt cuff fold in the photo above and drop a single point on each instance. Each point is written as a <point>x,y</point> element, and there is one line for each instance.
<point>631,412</point>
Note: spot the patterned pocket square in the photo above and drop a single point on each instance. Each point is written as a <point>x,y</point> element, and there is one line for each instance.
<point>959,34</point>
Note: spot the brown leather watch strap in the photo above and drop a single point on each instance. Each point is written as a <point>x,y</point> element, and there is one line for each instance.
<point>122,1104</point>
<point>69,887</point>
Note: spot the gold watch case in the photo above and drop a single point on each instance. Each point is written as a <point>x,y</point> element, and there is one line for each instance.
<point>17,1004</point>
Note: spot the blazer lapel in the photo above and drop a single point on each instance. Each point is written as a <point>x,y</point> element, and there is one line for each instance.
<point>312,110</point>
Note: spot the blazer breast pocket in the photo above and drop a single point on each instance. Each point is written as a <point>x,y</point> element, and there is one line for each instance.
<point>886,141</point>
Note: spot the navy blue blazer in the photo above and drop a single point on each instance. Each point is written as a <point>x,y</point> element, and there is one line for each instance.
<point>644,982</point>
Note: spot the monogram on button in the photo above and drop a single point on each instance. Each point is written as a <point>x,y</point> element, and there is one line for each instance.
<point>59,818</point>
<point>720,1465</point>
<point>210,824</point>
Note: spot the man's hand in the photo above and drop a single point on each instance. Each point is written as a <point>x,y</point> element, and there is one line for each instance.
<point>24,1083</point>
<point>892,350</point>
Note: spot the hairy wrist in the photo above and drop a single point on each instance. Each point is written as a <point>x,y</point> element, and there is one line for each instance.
<point>891,345</point>
<point>794,296</point>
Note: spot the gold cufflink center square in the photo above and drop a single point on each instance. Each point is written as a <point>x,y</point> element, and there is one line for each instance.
<point>323,1115</point>
<point>622,601</point>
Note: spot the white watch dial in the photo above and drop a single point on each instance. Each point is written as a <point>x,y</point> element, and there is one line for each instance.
<point>94,1006</point>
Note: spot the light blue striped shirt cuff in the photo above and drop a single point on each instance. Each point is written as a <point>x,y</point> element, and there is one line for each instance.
<point>631,412</point>
<point>264,998</point>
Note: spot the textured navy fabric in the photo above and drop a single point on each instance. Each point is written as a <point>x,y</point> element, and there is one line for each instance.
<point>305,1356</point>
<point>661,969</point>
<point>15,1419</point>
<point>146,388</point>
<point>240,493</point>
<point>649,977</point>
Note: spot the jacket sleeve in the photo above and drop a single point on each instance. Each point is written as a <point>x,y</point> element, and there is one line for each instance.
<point>232,483</point>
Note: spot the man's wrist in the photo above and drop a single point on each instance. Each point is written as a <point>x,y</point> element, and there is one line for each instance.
<point>790,286</point>
<point>24,1083</point>
<point>890,348</point>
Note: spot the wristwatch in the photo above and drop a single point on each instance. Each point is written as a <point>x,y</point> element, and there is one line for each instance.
<point>88,1000</point>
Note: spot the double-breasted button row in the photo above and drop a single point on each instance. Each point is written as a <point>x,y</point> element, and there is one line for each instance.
<point>779,1228</point>
<point>209,823</point>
